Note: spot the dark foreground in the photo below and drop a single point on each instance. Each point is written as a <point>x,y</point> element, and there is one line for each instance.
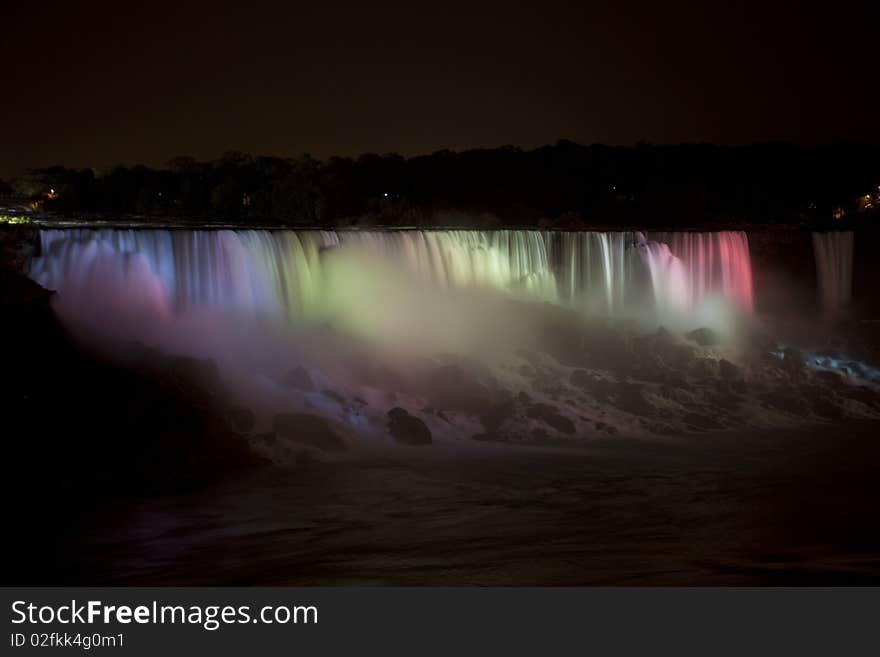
<point>760,508</point>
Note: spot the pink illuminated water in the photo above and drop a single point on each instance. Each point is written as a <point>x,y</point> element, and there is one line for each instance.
<point>714,263</point>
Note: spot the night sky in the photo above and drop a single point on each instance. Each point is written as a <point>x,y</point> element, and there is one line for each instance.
<point>95,84</point>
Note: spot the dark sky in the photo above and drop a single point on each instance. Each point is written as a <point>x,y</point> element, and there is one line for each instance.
<point>94,84</point>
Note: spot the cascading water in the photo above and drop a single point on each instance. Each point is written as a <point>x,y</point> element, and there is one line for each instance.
<point>834,267</point>
<point>283,273</point>
<point>715,263</point>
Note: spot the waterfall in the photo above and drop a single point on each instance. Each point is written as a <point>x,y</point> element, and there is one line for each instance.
<point>834,267</point>
<point>715,263</point>
<point>283,273</point>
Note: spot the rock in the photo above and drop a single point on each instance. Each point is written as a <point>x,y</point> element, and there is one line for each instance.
<point>793,361</point>
<point>299,379</point>
<point>196,379</point>
<point>739,386</point>
<point>611,351</point>
<point>528,372</point>
<point>725,399</point>
<point>630,397</point>
<point>335,396</point>
<point>728,371</point>
<point>700,422</point>
<point>783,400</point>
<point>864,395</point>
<point>304,457</point>
<point>550,415</point>
<point>702,369</point>
<point>592,384</point>
<point>829,377</point>
<point>407,429</point>
<point>497,414</point>
<point>309,430</point>
<point>268,439</point>
<point>452,387</point>
<point>490,438</point>
<point>704,336</point>
<point>661,428</point>
<point>607,428</point>
<point>242,419</point>
<point>652,368</point>
<point>827,408</point>
<point>582,379</point>
<point>761,343</point>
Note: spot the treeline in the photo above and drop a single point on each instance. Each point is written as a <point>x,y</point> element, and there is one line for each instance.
<point>562,184</point>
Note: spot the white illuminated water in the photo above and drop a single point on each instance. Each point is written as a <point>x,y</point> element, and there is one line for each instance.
<point>287,273</point>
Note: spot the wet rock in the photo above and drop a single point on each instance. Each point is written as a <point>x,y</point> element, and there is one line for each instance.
<point>528,372</point>
<point>451,387</point>
<point>705,337</point>
<point>540,435</point>
<point>606,428</point>
<point>739,386</point>
<point>268,439</point>
<point>762,343</point>
<point>793,361</point>
<point>242,419</point>
<point>630,397</point>
<point>827,407</point>
<point>497,414</point>
<point>581,378</point>
<point>532,357</point>
<point>725,400</point>
<point>490,437</point>
<point>551,416</point>
<point>611,351</point>
<point>195,378</point>
<point>829,378</point>
<point>309,430</point>
<point>652,368</point>
<point>660,428</point>
<point>562,335</point>
<point>154,422</point>
<point>408,429</point>
<point>701,422</point>
<point>335,396</point>
<point>299,379</point>
<point>728,371</point>
<point>703,369</point>
<point>304,457</point>
<point>787,401</point>
<point>595,386</point>
<point>864,395</point>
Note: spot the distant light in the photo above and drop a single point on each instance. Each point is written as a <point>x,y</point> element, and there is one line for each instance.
<point>385,194</point>
<point>51,191</point>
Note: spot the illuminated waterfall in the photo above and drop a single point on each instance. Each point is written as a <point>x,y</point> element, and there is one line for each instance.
<point>282,273</point>
<point>715,263</point>
<point>592,268</point>
<point>834,267</point>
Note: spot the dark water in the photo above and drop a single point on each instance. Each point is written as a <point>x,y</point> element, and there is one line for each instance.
<point>766,507</point>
